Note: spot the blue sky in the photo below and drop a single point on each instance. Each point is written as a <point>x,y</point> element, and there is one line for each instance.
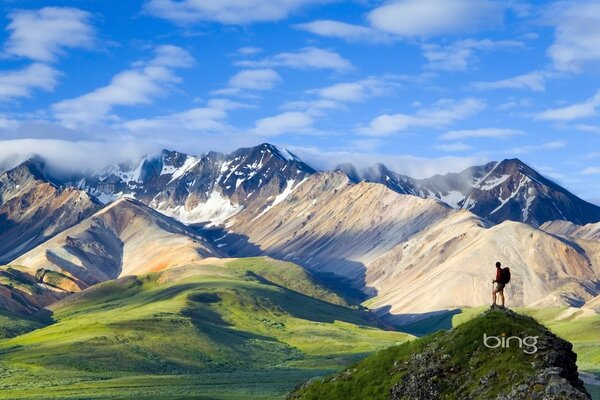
<point>424,86</point>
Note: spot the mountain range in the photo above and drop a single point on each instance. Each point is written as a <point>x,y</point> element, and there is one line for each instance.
<point>393,238</point>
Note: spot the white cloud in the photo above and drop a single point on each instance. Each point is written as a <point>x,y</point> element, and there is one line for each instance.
<point>555,145</point>
<point>135,86</point>
<point>255,79</point>
<point>591,171</point>
<point>586,109</point>
<point>535,81</point>
<point>413,166</point>
<point>21,83</point>
<point>460,55</point>
<point>515,103</point>
<point>343,30</point>
<point>68,156</point>
<point>436,17</point>
<point>455,147</point>
<point>312,107</point>
<point>588,128</point>
<point>306,58</point>
<point>7,123</point>
<point>489,133</point>
<point>577,35</point>
<point>248,51</point>
<point>287,122</point>
<point>206,119</point>
<point>226,11</point>
<point>441,114</point>
<point>356,91</point>
<point>44,34</point>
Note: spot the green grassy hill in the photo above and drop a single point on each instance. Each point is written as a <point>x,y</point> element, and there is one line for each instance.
<point>247,329</point>
<point>456,364</point>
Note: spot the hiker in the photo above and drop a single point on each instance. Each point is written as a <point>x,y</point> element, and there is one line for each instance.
<point>502,278</point>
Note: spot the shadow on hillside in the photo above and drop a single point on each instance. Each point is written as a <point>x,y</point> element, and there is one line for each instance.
<point>418,324</point>
<point>238,245</point>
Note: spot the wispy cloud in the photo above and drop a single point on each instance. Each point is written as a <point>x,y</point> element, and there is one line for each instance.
<point>306,58</point>
<point>591,171</point>
<point>461,55</point>
<point>416,167</point>
<point>238,12</point>
<point>586,109</point>
<point>487,133</point>
<point>441,114</point>
<point>139,85</point>
<point>515,103</point>
<point>340,95</point>
<point>454,147</point>
<point>256,79</point>
<point>343,30</point>
<point>248,51</point>
<point>535,81</point>
<point>577,35</point>
<point>44,34</point>
<point>208,119</point>
<point>286,122</point>
<point>554,145</point>
<point>357,91</point>
<point>22,82</point>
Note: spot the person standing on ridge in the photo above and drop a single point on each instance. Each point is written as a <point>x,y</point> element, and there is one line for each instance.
<point>502,278</point>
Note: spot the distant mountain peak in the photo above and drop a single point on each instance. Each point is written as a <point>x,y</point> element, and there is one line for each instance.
<point>498,191</point>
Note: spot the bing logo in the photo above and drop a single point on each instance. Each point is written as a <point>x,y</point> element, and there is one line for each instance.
<point>528,343</point>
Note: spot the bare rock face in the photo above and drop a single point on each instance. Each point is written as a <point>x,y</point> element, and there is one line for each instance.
<point>33,208</point>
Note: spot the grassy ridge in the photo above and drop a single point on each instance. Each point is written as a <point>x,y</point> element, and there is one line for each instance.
<point>466,364</point>
<point>253,327</point>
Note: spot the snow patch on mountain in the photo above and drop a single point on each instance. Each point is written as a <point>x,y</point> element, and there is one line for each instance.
<point>289,189</point>
<point>216,209</point>
<point>494,182</point>
<point>452,198</point>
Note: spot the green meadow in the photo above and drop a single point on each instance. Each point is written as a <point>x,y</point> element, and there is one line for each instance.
<point>245,329</point>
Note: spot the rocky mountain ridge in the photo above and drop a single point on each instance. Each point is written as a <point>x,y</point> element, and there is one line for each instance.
<point>509,190</point>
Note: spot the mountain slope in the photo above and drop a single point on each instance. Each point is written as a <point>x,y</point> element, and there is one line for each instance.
<point>34,208</point>
<point>569,229</point>
<point>401,249</point>
<point>320,225</point>
<point>457,364</point>
<point>508,190</point>
<point>455,260</point>
<point>207,327</point>
<point>124,238</point>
